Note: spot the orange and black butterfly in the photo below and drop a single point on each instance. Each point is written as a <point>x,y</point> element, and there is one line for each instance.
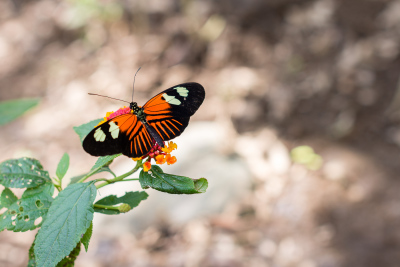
<point>162,118</point>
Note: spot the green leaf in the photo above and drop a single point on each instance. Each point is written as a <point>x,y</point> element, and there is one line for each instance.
<point>107,211</point>
<point>68,218</point>
<point>21,214</point>
<point>84,129</point>
<point>106,169</point>
<point>31,255</point>
<point>169,183</point>
<point>7,198</point>
<point>12,109</point>
<point>131,198</point>
<point>75,179</point>
<point>86,237</point>
<point>63,166</point>
<point>69,261</point>
<point>104,161</point>
<point>22,173</point>
<point>305,155</point>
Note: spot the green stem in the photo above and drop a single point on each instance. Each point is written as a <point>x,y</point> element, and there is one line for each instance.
<point>105,207</point>
<point>57,184</point>
<point>88,175</point>
<point>133,179</point>
<point>120,178</point>
<point>58,187</point>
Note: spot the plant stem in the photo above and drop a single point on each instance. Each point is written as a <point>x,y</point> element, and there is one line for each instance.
<point>120,178</point>
<point>58,187</point>
<point>87,176</point>
<point>92,172</point>
<point>128,180</point>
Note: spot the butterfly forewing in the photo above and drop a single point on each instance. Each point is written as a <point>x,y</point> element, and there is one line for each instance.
<point>169,112</point>
<point>123,134</point>
<point>166,116</point>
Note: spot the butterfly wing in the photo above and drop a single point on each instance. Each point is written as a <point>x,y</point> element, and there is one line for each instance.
<point>123,134</point>
<point>169,111</point>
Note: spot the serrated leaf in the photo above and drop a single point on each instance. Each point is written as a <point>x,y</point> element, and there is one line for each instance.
<point>7,198</point>
<point>22,214</point>
<point>131,198</point>
<point>63,166</point>
<point>169,183</point>
<point>22,173</point>
<point>86,237</point>
<point>84,129</point>
<point>69,261</point>
<point>12,109</point>
<point>31,255</point>
<point>68,219</point>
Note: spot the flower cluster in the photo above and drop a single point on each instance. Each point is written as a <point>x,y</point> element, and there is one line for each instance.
<point>160,154</point>
<point>112,114</point>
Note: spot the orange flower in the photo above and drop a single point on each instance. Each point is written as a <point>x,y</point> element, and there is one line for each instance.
<point>147,166</point>
<point>170,159</point>
<point>171,146</point>
<point>160,159</point>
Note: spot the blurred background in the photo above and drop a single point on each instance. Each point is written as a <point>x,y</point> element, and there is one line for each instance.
<point>278,74</point>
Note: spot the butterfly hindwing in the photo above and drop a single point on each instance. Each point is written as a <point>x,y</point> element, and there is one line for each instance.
<point>165,117</point>
<point>169,112</point>
<point>123,134</point>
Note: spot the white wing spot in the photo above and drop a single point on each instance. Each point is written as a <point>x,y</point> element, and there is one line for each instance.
<point>99,135</point>
<point>182,91</point>
<point>114,130</point>
<point>171,99</point>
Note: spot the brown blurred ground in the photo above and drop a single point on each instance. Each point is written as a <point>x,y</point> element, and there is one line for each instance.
<point>278,74</point>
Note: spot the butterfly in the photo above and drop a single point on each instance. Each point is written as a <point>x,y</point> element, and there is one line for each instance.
<point>162,118</point>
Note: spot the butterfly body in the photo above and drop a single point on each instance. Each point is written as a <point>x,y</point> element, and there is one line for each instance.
<point>162,118</point>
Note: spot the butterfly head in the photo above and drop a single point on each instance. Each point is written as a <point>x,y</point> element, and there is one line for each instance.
<point>133,106</point>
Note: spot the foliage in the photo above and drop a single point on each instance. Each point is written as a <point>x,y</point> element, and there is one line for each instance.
<point>306,156</point>
<point>66,221</point>
<point>173,184</point>
<point>12,109</point>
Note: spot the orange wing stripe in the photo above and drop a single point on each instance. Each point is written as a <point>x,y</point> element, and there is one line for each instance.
<point>134,140</point>
<point>157,101</point>
<point>170,122</point>
<point>146,134</point>
<point>135,130</point>
<point>158,117</point>
<point>140,146</point>
<point>177,121</point>
<point>124,125</point>
<point>157,130</point>
<point>162,128</point>
<point>141,136</point>
<point>163,122</point>
<point>131,128</point>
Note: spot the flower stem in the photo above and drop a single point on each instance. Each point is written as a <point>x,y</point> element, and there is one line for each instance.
<point>121,177</point>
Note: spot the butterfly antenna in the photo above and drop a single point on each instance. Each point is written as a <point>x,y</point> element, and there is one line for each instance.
<point>109,97</point>
<point>133,86</point>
